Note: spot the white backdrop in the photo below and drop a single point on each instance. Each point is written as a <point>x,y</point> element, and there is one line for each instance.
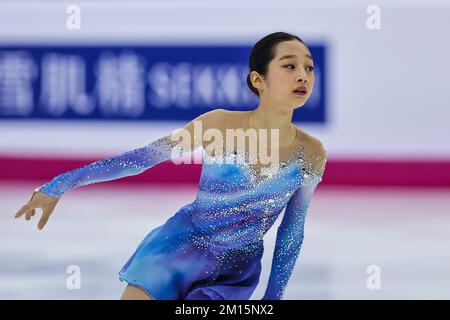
<point>387,89</point>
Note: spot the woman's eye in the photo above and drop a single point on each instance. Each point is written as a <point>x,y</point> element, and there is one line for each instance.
<point>310,68</point>
<point>288,65</point>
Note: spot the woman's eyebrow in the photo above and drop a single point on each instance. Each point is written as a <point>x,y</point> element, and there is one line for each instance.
<point>294,56</point>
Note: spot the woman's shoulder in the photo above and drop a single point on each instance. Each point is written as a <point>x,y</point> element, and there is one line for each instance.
<point>311,141</point>
<point>214,113</point>
<point>232,113</point>
<point>314,150</point>
<point>220,115</point>
<point>230,119</point>
<point>211,119</point>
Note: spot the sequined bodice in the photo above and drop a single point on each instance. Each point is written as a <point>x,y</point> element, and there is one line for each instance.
<point>235,205</point>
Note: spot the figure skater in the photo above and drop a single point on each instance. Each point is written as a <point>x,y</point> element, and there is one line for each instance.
<point>212,248</point>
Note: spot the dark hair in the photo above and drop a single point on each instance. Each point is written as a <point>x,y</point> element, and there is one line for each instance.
<point>263,52</point>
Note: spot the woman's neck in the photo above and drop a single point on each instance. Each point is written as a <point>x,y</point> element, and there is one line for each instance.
<point>271,118</point>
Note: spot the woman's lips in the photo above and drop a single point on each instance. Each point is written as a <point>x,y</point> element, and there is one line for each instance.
<point>300,93</point>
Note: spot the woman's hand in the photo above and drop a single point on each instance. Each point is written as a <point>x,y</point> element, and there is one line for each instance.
<point>38,200</point>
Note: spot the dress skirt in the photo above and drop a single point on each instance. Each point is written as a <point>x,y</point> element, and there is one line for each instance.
<point>175,261</point>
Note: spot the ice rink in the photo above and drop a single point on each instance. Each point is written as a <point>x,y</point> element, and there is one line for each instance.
<point>403,234</point>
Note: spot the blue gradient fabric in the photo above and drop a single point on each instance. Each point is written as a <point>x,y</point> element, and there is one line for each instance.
<point>212,248</point>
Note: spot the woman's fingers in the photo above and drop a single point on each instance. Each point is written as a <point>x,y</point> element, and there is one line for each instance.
<point>22,210</point>
<point>30,214</point>
<point>38,200</point>
<point>43,219</point>
<point>45,215</point>
<point>27,208</point>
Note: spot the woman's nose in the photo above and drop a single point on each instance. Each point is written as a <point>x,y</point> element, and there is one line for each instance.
<point>301,77</point>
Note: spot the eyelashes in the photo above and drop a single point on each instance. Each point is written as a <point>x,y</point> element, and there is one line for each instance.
<point>311,68</point>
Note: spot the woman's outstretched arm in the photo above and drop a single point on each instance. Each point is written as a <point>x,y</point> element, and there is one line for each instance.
<point>129,163</point>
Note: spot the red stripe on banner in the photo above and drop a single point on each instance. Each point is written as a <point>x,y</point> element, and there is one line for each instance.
<point>411,173</point>
<point>401,172</point>
<point>23,168</point>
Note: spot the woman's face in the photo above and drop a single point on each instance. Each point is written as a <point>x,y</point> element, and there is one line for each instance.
<point>285,74</point>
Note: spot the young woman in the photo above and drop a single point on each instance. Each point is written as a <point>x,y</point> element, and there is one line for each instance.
<point>212,248</point>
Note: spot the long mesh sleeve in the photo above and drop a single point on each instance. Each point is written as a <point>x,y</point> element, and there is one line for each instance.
<point>289,240</point>
<point>129,163</point>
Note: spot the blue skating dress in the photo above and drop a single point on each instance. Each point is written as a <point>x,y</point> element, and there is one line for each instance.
<point>212,248</point>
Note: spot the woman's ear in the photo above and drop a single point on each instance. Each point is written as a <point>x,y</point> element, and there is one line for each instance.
<point>256,80</point>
